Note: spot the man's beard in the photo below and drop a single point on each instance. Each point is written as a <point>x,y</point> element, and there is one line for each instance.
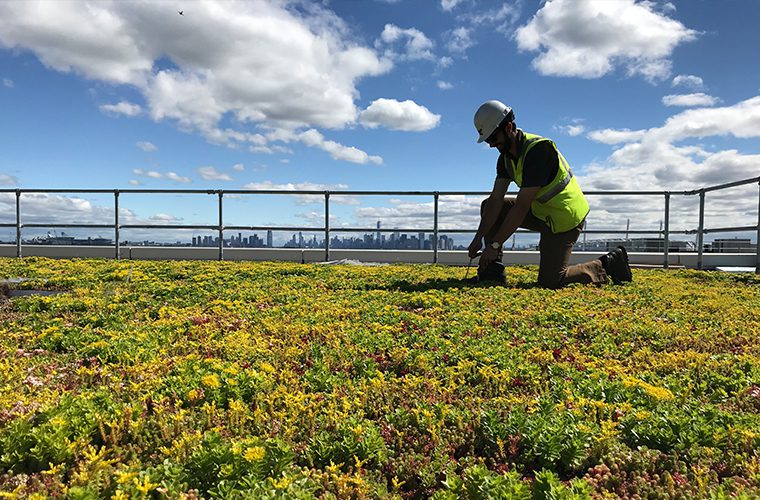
<point>507,146</point>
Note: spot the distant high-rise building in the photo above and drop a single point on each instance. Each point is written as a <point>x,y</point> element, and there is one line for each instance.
<point>269,239</point>
<point>377,236</point>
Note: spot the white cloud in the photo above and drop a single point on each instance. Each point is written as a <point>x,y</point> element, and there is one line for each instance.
<point>135,182</point>
<point>448,5</point>
<point>444,85</point>
<point>146,146</point>
<point>42,208</point>
<point>317,219</point>
<point>502,19</point>
<point>64,35</point>
<point>455,212</point>
<point>165,218</point>
<point>307,199</point>
<point>214,74</point>
<point>337,151</point>
<point>121,108</point>
<point>588,39</point>
<point>690,100</point>
<point>688,81</point>
<point>445,62</point>
<point>414,45</point>
<point>238,167</point>
<point>574,128</point>
<point>459,40</point>
<point>8,180</point>
<point>741,120</point>
<point>212,174</point>
<point>395,115</point>
<point>289,186</point>
<point>611,136</point>
<point>172,176</point>
<point>7,82</point>
<point>658,159</point>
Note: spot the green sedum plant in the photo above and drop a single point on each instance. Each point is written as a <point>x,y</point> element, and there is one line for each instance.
<point>277,380</point>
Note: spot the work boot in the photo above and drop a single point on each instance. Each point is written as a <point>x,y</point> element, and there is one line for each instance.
<point>493,272</point>
<point>615,263</point>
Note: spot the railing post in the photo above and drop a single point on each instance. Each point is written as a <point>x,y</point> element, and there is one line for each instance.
<point>116,221</point>
<point>327,226</point>
<point>18,223</point>
<point>435,227</point>
<point>757,240</point>
<point>701,229</point>
<point>666,235</point>
<point>221,228</point>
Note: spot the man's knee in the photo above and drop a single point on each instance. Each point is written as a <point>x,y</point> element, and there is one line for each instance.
<point>483,205</point>
<point>551,280</point>
<point>504,206</point>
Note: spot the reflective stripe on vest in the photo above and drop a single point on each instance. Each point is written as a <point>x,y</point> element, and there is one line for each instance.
<point>556,189</point>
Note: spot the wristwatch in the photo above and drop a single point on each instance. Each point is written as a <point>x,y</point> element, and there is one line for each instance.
<point>495,245</point>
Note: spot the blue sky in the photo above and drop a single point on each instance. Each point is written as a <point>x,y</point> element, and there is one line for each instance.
<point>372,95</point>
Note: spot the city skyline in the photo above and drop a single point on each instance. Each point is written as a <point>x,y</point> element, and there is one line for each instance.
<point>399,240</point>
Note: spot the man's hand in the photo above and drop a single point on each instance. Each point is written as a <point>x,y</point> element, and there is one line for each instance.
<point>474,248</point>
<point>489,255</point>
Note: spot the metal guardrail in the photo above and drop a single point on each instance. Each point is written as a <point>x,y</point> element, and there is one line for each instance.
<point>700,231</point>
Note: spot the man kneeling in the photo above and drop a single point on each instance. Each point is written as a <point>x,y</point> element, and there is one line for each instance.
<point>550,201</point>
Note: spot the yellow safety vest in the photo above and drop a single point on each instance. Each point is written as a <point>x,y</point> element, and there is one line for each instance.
<point>560,203</point>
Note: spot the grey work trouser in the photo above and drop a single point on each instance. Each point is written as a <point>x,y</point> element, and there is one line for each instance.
<point>555,250</point>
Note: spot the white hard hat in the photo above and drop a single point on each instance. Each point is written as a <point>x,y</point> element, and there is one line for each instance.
<point>489,116</point>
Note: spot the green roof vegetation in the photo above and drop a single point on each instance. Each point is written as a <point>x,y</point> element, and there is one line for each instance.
<point>277,380</point>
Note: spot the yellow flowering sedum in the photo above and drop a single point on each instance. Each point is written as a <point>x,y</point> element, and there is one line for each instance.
<point>211,381</point>
<point>225,379</point>
<point>254,454</point>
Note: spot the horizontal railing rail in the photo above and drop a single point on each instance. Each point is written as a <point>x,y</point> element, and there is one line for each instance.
<point>320,193</point>
<point>220,227</point>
